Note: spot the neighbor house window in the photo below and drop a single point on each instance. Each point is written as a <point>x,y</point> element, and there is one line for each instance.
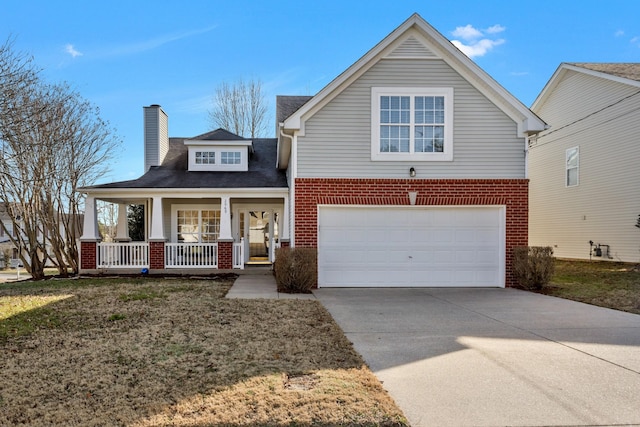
<point>412,124</point>
<point>572,166</point>
<point>205,158</point>
<point>197,225</point>
<point>230,158</point>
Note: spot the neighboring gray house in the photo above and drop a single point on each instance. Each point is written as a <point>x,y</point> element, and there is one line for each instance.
<point>584,194</point>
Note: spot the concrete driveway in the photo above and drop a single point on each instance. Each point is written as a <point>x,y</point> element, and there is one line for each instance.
<point>495,357</point>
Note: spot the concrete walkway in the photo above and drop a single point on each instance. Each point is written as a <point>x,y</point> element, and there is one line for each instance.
<point>495,357</point>
<point>258,284</point>
<point>12,275</point>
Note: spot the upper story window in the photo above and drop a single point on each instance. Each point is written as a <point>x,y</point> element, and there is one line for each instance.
<point>572,162</point>
<point>205,158</point>
<point>412,124</point>
<point>230,157</point>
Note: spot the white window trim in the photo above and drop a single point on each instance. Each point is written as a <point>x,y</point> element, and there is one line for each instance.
<point>566,167</point>
<point>377,92</point>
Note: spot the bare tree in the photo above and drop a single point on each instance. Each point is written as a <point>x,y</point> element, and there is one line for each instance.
<point>53,142</point>
<point>240,108</point>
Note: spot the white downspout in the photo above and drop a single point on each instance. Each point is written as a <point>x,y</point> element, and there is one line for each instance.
<point>293,168</point>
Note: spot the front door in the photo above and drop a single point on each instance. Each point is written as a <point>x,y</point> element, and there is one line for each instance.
<point>259,236</point>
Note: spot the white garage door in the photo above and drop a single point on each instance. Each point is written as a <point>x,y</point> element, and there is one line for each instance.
<point>410,246</point>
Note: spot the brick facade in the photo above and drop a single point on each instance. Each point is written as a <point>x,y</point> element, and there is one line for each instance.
<point>88,255</point>
<point>156,255</point>
<point>512,193</point>
<point>225,255</point>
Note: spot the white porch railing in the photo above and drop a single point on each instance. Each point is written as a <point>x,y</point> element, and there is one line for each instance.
<point>238,254</point>
<point>191,255</point>
<point>123,255</point>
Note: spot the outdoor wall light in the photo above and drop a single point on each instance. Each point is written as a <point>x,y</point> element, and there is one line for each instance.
<point>412,172</point>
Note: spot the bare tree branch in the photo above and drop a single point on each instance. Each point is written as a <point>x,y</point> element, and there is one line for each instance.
<point>240,108</point>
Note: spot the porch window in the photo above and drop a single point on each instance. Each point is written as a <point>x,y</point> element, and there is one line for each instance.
<point>198,225</point>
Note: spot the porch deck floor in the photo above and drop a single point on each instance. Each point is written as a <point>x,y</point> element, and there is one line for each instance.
<point>260,286</point>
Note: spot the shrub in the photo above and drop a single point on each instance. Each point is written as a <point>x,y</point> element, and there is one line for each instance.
<point>533,266</point>
<point>296,270</point>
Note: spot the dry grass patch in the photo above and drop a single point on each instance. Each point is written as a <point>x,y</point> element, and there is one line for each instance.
<point>143,352</point>
<point>606,284</point>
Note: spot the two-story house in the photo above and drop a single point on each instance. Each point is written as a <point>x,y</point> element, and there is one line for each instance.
<point>408,169</point>
<point>584,169</point>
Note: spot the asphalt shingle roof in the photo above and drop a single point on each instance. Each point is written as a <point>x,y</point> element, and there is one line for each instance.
<point>173,173</point>
<point>627,70</point>
<point>287,105</point>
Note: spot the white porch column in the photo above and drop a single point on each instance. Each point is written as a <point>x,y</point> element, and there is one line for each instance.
<point>90,231</point>
<point>157,223</point>
<point>122,229</point>
<point>284,234</point>
<point>225,219</point>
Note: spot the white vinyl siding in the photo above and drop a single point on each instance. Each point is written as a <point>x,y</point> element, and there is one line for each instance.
<point>337,140</point>
<point>156,144</point>
<point>604,206</point>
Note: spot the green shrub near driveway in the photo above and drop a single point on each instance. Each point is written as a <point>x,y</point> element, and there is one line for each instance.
<point>296,270</point>
<point>533,266</point>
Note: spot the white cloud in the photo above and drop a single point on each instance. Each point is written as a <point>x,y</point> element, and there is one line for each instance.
<point>495,29</point>
<point>619,33</point>
<point>467,32</point>
<point>478,47</point>
<point>72,51</point>
<point>477,42</point>
<point>635,39</point>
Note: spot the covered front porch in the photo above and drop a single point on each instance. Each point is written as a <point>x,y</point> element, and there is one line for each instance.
<point>188,231</point>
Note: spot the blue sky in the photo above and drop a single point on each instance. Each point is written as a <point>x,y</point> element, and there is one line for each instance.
<point>123,55</point>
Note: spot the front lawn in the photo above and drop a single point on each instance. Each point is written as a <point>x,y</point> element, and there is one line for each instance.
<point>143,352</point>
<point>606,284</point>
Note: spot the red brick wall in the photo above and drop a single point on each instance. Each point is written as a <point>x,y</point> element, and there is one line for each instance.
<point>156,255</point>
<point>513,193</point>
<point>225,255</point>
<point>88,255</point>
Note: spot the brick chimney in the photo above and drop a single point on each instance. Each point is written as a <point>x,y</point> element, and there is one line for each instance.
<point>156,136</point>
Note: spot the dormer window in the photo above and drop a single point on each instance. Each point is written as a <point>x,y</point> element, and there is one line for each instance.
<point>230,157</point>
<point>205,158</point>
<point>219,151</point>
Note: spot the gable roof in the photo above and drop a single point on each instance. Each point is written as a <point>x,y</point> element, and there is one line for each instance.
<point>173,172</point>
<point>627,73</point>
<point>415,38</point>
<point>218,135</point>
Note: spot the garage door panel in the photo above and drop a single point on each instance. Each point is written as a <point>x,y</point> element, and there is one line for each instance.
<point>402,246</point>
<point>442,235</point>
